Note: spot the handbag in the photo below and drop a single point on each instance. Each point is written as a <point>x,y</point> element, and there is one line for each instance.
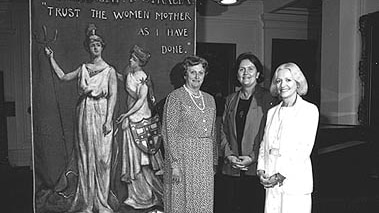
<point>147,134</point>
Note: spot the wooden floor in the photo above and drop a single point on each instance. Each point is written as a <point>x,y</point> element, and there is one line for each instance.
<point>345,182</point>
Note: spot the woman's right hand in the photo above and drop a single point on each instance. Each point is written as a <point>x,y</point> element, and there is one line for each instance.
<point>264,179</point>
<point>49,52</point>
<point>121,118</point>
<point>262,176</point>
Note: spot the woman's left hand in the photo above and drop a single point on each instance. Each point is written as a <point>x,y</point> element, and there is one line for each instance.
<point>107,128</point>
<point>245,160</point>
<point>274,180</point>
<point>269,182</point>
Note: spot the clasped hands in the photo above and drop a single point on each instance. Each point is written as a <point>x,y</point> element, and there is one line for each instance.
<point>240,162</point>
<point>270,181</point>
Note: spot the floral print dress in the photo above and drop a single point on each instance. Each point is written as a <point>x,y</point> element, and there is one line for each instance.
<point>189,138</point>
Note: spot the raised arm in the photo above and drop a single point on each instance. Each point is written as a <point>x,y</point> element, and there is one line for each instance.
<point>57,69</point>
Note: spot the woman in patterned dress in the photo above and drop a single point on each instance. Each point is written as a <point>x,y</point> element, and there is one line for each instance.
<point>97,84</point>
<point>284,163</point>
<point>139,170</point>
<point>190,149</point>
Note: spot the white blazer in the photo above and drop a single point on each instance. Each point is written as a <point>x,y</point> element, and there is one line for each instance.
<point>296,139</point>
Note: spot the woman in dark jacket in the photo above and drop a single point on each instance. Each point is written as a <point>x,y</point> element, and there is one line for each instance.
<point>241,133</point>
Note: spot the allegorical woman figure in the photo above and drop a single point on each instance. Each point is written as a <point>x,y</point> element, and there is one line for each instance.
<point>142,162</point>
<point>97,86</point>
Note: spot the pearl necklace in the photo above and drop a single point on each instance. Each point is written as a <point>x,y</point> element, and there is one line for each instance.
<point>196,96</point>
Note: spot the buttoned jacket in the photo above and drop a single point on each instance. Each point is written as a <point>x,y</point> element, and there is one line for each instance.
<point>253,131</point>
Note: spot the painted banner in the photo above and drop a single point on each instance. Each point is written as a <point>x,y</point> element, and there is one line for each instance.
<point>89,60</point>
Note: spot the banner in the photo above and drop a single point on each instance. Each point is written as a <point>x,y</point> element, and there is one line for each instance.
<point>160,32</point>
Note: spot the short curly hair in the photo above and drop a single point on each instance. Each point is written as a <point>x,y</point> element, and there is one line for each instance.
<point>194,60</point>
<point>301,81</point>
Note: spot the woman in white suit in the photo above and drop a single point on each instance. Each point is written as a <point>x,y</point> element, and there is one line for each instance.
<point>284,164</point>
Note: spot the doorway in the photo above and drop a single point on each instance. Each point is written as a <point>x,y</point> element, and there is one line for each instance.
<point>220,79</point>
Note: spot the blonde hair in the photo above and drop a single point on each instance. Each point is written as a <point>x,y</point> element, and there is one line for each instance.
<point>301,81</point>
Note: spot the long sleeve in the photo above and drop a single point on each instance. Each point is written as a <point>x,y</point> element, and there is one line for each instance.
<point>266,102</point>
<point>261,154</point>
<point>225,145</point>
<point>297,140</point>
<point>258,138</point>
<point>214,138</point>
<point>171,117</point>
<point>300,147</point>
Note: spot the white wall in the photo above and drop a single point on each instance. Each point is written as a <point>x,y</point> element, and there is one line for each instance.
<point>340,55</point>
<point>249,28</point>
<point>370,6</point>
<point>239,24</point>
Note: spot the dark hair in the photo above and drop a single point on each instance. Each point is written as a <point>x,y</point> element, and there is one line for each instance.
<point>142,55</point>
<point>194,60</point>
<point>92,36</point>
<point>254,59</point>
